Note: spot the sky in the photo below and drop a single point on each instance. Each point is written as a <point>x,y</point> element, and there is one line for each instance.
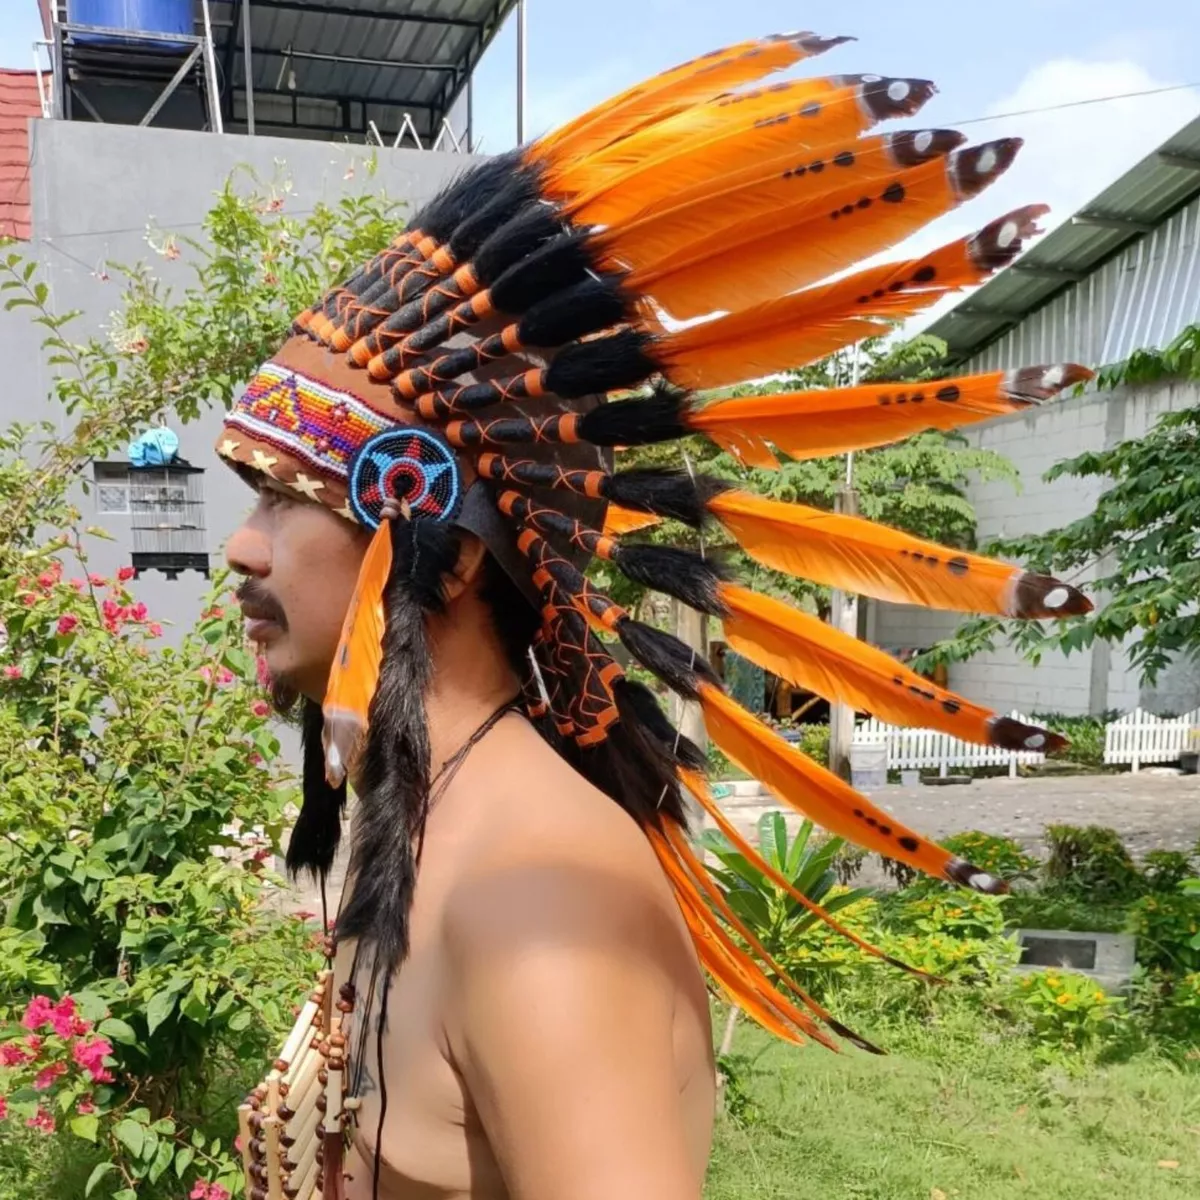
<point>988,60</point>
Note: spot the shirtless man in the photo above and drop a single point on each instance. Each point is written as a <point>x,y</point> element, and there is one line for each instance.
<point>525,918</point>
<point>548,1035</point>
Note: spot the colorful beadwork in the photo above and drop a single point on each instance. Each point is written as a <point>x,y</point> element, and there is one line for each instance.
<point>316,424</point>
<point>410,464</point>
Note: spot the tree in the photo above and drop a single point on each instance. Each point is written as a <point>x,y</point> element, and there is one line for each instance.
<point>1142,539</point>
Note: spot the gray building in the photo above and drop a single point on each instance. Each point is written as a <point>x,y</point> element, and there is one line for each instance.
<point>357,79</point>
<point>1122,274</point>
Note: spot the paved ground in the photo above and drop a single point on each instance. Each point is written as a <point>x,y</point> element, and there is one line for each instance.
<point>1148,811</point>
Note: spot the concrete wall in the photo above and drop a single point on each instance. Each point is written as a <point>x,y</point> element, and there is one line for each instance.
<point>95,188</point>
<point>1093,680</point>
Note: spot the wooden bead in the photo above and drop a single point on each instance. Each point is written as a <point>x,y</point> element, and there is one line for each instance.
<point>337,1040</point>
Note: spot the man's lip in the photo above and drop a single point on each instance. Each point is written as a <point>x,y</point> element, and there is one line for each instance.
<point>260,629</point>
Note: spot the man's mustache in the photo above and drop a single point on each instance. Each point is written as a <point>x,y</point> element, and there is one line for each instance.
<point>258,604</point>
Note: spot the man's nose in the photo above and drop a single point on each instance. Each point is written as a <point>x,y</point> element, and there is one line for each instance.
<point>248,552</point>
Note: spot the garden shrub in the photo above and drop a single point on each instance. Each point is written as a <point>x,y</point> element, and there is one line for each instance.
<point>1167,928</point>
<point>1090,862</point>
<point>1067,1009</point>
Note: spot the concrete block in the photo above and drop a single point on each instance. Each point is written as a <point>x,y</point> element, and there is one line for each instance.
<point>1108,958</point>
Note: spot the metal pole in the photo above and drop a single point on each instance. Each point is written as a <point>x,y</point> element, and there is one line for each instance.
<point>210,69</point>
<point>249,67</point>
<point>521,72</point>
<point>471,113</point>
<point>844,616</point>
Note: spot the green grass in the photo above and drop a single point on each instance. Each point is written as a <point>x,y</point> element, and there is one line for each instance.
<point>959,1109</point>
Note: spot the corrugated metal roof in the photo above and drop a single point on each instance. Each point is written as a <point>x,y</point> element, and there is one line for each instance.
<point>1122,273</point>
<point>19,101</point>
<point>410,56</point>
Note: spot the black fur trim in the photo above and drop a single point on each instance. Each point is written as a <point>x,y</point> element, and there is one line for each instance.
<point>594,304</point>
<point>602,365</point>
<point>666,492</point>
<point>638,705</point>
<point>684,574</point>
<point>556,265</point>
<point>473,189</point>
<point>520,236</point>
<point>674,662</point>
<point>477,228</point>
<point>318,829</point>
<point>658,418</point>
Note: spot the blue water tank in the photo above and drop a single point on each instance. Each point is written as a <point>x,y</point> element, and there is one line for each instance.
<point>137,16</point>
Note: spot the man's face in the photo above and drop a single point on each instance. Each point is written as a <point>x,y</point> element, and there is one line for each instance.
<point>300,563</point>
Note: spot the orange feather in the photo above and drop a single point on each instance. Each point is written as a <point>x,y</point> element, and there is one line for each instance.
<point>820,795</point>
<point>723,136</point>
<point>670,92</point>
<point>812,655</point>
<point>738,974</point>
<point>799,328</point>
<point>772,252</point>
<point>355,673</point>
<point>729,209</point>
<point>698,786</point>
<point>876,560</point>
<point>618,520</point>
<point>822,423</point>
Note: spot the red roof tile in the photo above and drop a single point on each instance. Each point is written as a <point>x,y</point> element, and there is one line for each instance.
<point>18,102</point>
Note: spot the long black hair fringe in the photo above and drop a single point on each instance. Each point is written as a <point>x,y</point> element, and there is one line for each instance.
<point>680,667</point>
<point>685,574</point>
<point>318,829</point>
<point>666,492</point>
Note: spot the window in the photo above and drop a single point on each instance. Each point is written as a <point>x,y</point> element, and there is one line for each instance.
<point>166,510</point>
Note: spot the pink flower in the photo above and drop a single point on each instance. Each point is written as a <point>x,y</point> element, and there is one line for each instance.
<point>212,614</point>
<point>47,1075</point>
<point>35,1045</point>
<point>155,629</point>
<point>256,759</point>
<point>42,1121</point>
<point>91,1055</point>
<point>125,574</point>
<point>263,672</point>
<point>217,1192</point>
<point>111,610</point>
<point>65,1020</point>
<point>97,580</point>
<point>37,1013</point>
<point>225,676</point>
<point>12,672</point>
<point>200,1191</point>
<point>29,599</point>
<point>3,1108</point>
<point>85,1106</point>
<point>260,708</point>
<point>66,624</point>
<point>206,674</point>
<point>79,584</point>
<point>13,1055</point>
<point>46,580</point>
<point>138,612</point>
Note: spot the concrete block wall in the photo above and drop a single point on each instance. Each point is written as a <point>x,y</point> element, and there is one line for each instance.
<point>1034,441</point>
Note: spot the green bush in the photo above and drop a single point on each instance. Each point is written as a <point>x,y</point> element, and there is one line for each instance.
<point>1085,736</point>
<point>1166,870</point>
<point>1089,862</point>
<point>1067,1009</point>
<point>1167,928</point>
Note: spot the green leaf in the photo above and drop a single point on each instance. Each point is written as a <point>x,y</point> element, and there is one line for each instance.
<point>197,1139</point>
<point>131,1135</point>
<point>98,1173</point>
<point>117,1031</point>
<point>86,1127</point>
<point>162,1160</point>
<point>161,1005</point>
<point>125,1194</point>
<point>183,1159</point>
<point>240,1020</point>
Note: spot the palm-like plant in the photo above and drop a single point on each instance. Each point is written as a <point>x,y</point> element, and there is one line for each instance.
<point>770,913</point>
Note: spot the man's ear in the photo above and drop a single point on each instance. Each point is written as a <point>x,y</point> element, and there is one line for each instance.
<point>471,551</point>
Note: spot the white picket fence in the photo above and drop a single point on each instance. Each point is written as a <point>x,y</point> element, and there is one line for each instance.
<point>1141,737</point>
<point>910,749</point>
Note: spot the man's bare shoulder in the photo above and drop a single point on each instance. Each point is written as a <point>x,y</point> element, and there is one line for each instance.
<point>551,850</point>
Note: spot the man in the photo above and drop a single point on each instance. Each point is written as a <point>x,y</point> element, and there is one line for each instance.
<point>520,940</point>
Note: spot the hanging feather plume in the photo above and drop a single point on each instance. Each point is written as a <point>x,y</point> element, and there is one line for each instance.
<point>874,560</point>
<point>824,423</point>
<point>820,658</point>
